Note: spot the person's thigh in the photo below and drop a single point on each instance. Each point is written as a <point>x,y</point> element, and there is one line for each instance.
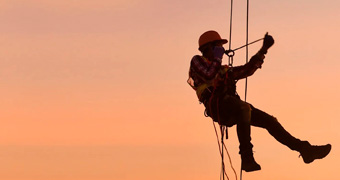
<point>260,118</point>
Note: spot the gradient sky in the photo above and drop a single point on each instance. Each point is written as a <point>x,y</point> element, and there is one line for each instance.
<point>96,90</point>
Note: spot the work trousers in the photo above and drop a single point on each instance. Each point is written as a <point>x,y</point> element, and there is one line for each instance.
<point>231,110</point>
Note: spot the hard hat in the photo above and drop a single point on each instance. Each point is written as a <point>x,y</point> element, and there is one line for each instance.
<point>210,36</point>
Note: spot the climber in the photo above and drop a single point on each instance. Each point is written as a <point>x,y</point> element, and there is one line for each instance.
<point>215,86</point>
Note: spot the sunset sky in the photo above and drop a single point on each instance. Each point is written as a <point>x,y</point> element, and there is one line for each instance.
<point>96,90</point>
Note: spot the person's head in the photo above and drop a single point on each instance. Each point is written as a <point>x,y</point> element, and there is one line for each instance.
<point>208,40</point>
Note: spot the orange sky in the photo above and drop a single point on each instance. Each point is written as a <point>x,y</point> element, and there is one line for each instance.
<point>96,90</point>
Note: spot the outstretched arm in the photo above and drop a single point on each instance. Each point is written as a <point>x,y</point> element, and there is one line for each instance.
<point>255,62</point>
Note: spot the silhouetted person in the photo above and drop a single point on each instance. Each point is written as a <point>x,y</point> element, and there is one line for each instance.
<point>215,86</point>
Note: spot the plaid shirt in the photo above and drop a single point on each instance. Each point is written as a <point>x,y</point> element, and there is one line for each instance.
<point>201,69</point>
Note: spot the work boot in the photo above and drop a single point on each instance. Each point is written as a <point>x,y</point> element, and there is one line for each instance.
<point>309,153</point>
<point>249,164</point>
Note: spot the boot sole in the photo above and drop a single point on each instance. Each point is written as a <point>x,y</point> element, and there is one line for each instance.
<point>311,160</point>
<point>251,170</point>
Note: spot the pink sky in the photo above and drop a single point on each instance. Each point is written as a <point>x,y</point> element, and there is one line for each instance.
<point>96,90</point>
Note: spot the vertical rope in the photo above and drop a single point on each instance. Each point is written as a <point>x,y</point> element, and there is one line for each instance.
<point>219,148</point>
<point>230,59</point>
<point>247,49</point>
<point>222,154</point>
<point>230,62</point>
<point>247,58</point>
<point>231,163</point>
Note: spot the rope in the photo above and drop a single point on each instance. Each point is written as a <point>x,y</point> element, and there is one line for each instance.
<point>225,147</point>
<point>230,63</point>
<point>247,57</point>
<point>247,49</point>
<point>222,142</point>
<point>222,155</point>
<point>231,59</point>
<point>231,163</point>
<point>231,54</point>
<point>222,130</point>
<point>247,44</point>
<point>220,149</point>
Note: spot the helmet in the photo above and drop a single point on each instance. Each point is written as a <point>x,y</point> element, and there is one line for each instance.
<point>210,36</point>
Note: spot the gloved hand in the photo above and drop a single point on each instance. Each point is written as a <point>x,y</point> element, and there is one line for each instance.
<point>218,52</point>
<point>268,41</point>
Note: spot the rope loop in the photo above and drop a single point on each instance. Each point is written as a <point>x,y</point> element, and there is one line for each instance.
<point>230,53</point>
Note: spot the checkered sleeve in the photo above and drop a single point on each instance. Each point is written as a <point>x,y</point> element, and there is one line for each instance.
<point>207,70</point>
